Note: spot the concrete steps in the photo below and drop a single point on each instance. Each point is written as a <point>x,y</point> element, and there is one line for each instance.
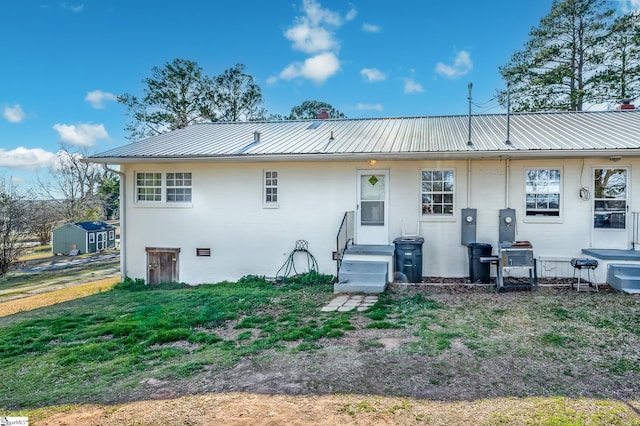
<point>624,277</point>
<point>362,276</point>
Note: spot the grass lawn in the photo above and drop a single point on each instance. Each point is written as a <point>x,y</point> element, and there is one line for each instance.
<point>450,345</point>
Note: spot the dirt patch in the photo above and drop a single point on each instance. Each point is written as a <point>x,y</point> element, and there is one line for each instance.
<point>58,295</point>
<point>334,410</point>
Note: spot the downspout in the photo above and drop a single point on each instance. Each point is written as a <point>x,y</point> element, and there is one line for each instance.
<point>123,215</point>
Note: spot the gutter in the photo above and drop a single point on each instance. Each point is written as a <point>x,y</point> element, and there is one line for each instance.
<point>123,210</point>
<point>364,156</point>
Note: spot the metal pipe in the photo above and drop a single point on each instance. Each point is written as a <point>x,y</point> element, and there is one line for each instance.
<point>468,183</point>
<point>507,181</point>
<point>123,215</point>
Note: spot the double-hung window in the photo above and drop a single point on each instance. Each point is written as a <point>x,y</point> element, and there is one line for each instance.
<point>542,192</point>
<point>163,187</point>
<point>437,192</point>
<point>270,188</point>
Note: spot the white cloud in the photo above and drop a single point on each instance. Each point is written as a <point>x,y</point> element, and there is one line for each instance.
<point>630,6</point>
<point>372,75</point>
<point>317,68</point>
<point>72,7</point>
<point>369,107</point>
<point>410,86</point>
<point>27,159</point>
<point>97,98</point>
<point>81,134</point>
<point>313,33</point>
<point>370,28</point>
<point>461,66</point>
<point>351,14</point>
<point>13,114</point>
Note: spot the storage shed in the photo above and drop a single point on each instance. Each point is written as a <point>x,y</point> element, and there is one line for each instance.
<point>85,237</point>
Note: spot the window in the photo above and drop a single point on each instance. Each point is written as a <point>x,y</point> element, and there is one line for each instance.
<point>437,192</point>
<point>112,235</point>
<point>542,188</point>
<point>270,187</point>
<point>92,238</point>
<point>149,186</point>
<point>175,188</point>
<point>179,187</point>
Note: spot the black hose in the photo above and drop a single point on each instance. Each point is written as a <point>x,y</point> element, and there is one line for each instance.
<point>302,246</point>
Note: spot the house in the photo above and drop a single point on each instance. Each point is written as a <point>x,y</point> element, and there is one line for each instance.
<point>83,237</point>
<point>218,201</point>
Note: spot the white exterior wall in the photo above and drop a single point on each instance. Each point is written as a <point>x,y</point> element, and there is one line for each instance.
<point>227,214</point>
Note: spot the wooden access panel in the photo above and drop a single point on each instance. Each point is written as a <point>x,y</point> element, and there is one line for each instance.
<point>162,265</point>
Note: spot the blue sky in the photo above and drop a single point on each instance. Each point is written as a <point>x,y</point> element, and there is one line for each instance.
<point>64,63</point>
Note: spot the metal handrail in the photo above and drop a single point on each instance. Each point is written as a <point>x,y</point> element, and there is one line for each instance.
<point>635,226</point>
<point>344,237</point>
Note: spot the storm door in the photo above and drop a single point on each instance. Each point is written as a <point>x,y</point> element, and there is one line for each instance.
<point>162,265</point>
<point>610,208</point>
<point>372,214</point>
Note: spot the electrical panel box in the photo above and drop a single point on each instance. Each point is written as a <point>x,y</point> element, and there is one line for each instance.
<point>468,232</point>
<point>507,225</point>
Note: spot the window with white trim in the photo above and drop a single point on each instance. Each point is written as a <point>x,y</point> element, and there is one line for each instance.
<point>173,187</point>
<point>437,192</point>
<point>178,187</point>
<point>92,238</point>
<point>542,192</point>
<point>149,186</point>
<point>270,187</point>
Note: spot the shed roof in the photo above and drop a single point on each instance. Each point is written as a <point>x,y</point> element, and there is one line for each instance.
<point>94,226</point>
<point>541,134</point>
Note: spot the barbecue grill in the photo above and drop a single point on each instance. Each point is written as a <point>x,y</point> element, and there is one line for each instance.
<point>516,256</point>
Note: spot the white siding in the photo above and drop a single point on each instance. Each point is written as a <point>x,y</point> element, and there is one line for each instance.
<point>227,214</point>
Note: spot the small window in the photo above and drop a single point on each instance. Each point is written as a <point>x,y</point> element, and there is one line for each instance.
<point>270,187</point>
<point>112,235</point>
<point>437,192</point>
<point>149,186</point>
<point>178,187</point>
<point>92,238</point>
<point>542,192</point>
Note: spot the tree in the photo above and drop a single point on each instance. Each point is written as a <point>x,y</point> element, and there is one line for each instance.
<point>310,109</point>
<point>236,96</point>
<point>556,69</point>
<point>180,94</point>
<point>620,79</point>
<point>74,186</point>
<point>109,193</point>
<point>177,95</point>
<point>42,217</point>
<point>13,226</point>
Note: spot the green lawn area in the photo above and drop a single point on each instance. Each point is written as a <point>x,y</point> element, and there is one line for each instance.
<point>449,345</point>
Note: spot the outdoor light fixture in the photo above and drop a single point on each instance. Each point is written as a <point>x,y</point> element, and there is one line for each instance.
<point>372,162</point>
<point>615,158</point>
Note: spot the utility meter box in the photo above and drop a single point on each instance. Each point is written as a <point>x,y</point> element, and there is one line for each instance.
<point>468,231</point>
<point>507,225</point>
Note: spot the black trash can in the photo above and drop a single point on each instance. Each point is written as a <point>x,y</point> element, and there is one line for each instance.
<point>409,257</point>
<point>479,271</point>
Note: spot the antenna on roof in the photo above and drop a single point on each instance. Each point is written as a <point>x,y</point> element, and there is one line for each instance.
<point>469,143</point>
<point>508,141</point>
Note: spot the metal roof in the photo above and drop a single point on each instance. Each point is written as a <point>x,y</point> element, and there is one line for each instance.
<point>530,134</point>
<point>94,226</point>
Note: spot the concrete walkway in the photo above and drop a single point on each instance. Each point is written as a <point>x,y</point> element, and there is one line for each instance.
<point>346,303</point>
